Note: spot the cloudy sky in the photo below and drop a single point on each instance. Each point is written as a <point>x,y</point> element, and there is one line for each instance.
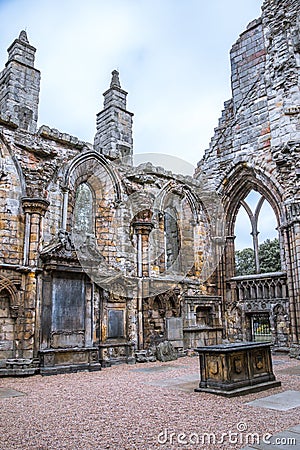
<point>173,58</point>
<point>172,55</point>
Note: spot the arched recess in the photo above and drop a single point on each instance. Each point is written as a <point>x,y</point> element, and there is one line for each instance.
<point>179,211</point>
<point>92,168</point>
<point>248,293</point>
<point>10,286</point>
<point>159,312</point>
<point>9,306</point>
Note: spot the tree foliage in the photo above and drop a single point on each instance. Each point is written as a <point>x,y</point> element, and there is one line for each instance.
<point>244,262</point>
<point>268,254</point>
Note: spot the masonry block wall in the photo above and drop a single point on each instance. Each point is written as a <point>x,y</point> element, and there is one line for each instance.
<point>20,85</point>
<point>101,260</point>
<point>256,144</point>
<point>79,266</point>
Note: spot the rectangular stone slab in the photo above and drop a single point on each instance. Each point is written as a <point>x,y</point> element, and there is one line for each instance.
<point>6,393</point>
<point>280,402</point>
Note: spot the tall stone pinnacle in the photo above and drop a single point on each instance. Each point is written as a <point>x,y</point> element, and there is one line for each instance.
<point>20,85</point>
<point>23,36</point>
<point>115,81</point>
<point>114,124</point>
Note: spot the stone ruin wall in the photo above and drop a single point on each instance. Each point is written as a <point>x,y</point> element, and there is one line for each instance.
<point>255,146</point>
<point>256,143</point>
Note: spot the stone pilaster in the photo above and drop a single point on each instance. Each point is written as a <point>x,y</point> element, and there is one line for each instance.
<point>292,251</point>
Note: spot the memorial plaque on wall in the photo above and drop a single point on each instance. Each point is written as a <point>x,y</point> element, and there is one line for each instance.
<point>174,328</point>
<point>68,302</point>
<point>115,323</point>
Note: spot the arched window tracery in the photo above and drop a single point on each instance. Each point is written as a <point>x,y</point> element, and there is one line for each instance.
<point>255,224</point>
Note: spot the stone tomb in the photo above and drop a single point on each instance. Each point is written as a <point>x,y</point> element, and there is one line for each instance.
<point>236,369</point>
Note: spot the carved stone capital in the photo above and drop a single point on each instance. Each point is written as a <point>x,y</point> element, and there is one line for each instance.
<point>143,228</point>
<point>293,211</point>
<point>35,205</point>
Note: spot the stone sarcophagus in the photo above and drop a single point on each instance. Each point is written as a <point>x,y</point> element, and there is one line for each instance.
<point>236,369</point>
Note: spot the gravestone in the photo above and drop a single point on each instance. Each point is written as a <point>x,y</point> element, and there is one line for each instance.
<point>174,326</point>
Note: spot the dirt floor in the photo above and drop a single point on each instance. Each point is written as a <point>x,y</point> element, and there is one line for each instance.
<point>144,406</point>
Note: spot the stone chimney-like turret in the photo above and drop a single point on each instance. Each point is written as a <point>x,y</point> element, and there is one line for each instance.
<point>20,85</point>
<point>114,124</point>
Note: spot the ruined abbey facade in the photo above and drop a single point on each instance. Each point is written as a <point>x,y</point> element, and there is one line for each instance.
<point>101,261</point>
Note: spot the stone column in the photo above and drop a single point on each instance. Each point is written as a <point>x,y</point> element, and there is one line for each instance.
<point>34,210</point>
<point>142,231</point>
<point>65,209</point>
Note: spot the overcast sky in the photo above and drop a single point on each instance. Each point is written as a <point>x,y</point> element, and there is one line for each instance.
<point>172,55</point>
<point>173,58</point>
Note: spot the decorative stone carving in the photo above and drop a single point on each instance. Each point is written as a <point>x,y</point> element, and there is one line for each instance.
<point>235,369</point>
<point>35,205</point>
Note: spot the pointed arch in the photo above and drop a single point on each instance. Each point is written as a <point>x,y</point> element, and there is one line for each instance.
<point>92,168</point>
<point>84,165</point>
<point>238,184</point>
<point>9,285</point>
<point>181,190</point>
<point>16,163</point>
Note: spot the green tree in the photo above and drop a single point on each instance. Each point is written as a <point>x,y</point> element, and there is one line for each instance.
<point>268,254</point>
<point>244,262</point>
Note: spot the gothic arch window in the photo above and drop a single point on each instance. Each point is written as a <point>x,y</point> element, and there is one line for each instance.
<point>256,231</point>
<point>172,239</point>
<point>84,217</point>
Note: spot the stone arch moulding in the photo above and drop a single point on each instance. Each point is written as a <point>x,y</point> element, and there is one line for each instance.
<point>70,180</point>
<point>10,286</point>
<point>15,162</point>
<point>237,185</point>
<point>81,168</point>
<point>182,191</point>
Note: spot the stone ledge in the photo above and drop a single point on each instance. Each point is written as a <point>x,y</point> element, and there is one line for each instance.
<point>63,138</point>
<point>241,391</point>
<point>60,369</point>
<point>8,122</point>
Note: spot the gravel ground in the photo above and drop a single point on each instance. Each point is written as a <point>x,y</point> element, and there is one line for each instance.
<point>118,408</point>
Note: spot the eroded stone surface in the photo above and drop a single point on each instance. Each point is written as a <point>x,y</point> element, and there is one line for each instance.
<point>53,184</point>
